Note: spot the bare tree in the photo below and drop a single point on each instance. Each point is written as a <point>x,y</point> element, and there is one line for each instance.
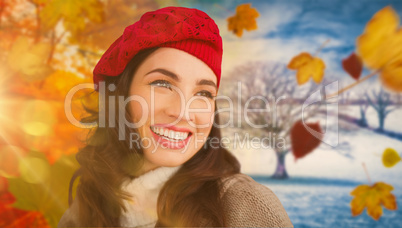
<point>382,104</point>
<point>363,105</point>
<point>272,103</point>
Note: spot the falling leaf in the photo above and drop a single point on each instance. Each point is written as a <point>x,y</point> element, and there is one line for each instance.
<point>380,47</point>
<point>30,60</point>
<point>373,197</point>
<point>353,66</point>
<point>391,76</point>
<point>303,141</point>
<point>245,18</point>
<point>49,196</point>
<point>390,157</point>
<point>307,67</point>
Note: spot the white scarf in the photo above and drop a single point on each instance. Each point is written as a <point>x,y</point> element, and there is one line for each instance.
<point>141,210</point>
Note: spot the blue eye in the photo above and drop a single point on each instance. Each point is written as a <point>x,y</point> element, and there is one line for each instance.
<point>162,83</point>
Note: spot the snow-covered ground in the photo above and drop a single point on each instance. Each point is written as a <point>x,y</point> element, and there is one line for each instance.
<point>316,202</point>
<point>318,192</point>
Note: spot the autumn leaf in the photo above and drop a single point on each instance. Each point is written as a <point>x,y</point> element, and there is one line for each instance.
<point>380,47</point>
<point>390,157</point>
<point>54,87</point>
<point>30,60</point>
<point>373,197</point>
<point>75,14</point>
<point>11,217</point>
<point>99,36</point>
<point>245,18</point>
<point>353,66</point>
<point>48,193</point>
<point>307,67</point>
<point>303,141</point>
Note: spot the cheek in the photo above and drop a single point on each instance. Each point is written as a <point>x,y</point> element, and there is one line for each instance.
<point>205,121</point>
<point>204,111</point>
<point>139,108</point>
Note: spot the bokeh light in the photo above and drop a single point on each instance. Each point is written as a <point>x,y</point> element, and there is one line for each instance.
<point>34,170</point>
<point>37,118</point>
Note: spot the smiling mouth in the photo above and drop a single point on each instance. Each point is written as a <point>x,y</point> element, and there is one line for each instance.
<point>175,136</point>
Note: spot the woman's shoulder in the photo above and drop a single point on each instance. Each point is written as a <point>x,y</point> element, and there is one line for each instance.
<point>249,203</point>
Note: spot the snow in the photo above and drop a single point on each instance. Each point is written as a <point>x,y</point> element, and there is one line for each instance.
<point>393,121</point>
<point>317,194</point>
<point>363,146</point>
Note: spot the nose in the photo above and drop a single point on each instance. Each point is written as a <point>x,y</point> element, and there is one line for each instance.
<point>177,110</point>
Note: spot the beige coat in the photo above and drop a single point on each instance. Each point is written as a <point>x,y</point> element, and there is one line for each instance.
<point>246,202</point>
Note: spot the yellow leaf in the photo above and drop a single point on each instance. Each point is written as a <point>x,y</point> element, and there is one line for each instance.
<point>245,18</point>
<point>307,67</point>
<point>391,76</point>
<point>30,60</point>
<point>390,157</point>
<point>380,47</point>
<point>373,197</point>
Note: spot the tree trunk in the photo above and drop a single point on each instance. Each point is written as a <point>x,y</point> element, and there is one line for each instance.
<point>280,172</point>
<point>381,118</point>
<point>363,121</point>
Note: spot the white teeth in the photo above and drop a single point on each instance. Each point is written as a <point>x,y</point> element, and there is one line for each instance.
<point>170,133</point>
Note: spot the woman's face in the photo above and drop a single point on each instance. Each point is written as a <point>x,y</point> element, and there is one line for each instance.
<point>173,104</point>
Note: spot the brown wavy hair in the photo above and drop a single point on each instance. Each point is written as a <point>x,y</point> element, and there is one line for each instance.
<point>191,194</point>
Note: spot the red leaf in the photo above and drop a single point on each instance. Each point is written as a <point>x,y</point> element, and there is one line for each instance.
<point>303,142</point>
<point>12,217</point>
<point>6,199</point>
<point>353,66</point>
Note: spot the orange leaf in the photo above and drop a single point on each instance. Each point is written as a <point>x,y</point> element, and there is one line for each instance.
<point>372,197</point>
<point>245,18</point>
<point>303,142</point>
<point>353,66</point>
<point>380,47</point>
<point>307,67</point>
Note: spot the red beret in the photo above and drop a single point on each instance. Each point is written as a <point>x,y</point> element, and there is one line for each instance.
<point>190,30</point>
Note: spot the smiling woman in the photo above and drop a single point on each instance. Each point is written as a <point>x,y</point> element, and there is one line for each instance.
<point>158,82</point>
<point>176,79</point>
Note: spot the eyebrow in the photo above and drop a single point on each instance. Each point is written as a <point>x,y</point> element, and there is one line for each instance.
<point>176,78</point>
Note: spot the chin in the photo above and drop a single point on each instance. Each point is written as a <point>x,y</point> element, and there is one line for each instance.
<point>168,158</point>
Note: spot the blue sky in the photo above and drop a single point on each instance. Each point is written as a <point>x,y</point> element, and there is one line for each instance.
<point>288,27</point>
